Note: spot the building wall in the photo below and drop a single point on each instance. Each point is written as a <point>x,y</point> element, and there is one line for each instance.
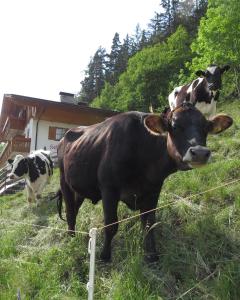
<point>42,134</point>
<point>30,132</point>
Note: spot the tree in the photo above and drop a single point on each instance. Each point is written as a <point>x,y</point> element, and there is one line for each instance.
<point>124,54</point>
<point>149,73</point>
<point>95,77</point>
<point>218,40</point>
<point>156,28</point>
<point>113,63</point>
<point>136,39</point>
<point>169,17</point>
<point>144,40</point>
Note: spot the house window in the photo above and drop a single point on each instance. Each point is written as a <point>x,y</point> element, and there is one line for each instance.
<point>56,133</point>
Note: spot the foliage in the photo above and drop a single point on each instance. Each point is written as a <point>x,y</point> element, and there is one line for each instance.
<point>147,80</point>
<point>94,80</point>
<point>2,145</point>
<point>218,40</point>
<point>165,22</point>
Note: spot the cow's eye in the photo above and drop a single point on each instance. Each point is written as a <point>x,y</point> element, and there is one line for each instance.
<point>207,74</point>
<point>176,127</point>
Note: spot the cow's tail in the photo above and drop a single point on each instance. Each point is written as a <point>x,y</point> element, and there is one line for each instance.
<point>59,197</point>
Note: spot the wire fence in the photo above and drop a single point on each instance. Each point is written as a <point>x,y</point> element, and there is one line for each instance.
<point>39,226</point>
<point>92,236</point>
<point>172,203</point>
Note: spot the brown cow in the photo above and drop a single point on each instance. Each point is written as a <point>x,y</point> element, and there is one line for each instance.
<point>127,157</point>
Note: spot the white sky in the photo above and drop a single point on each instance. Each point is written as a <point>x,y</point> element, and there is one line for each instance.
<point>45,45</point>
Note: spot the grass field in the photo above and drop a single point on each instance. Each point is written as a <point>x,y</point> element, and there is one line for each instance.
<point>198,238</point>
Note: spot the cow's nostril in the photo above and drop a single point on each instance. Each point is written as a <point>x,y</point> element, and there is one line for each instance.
<point>207,154</point>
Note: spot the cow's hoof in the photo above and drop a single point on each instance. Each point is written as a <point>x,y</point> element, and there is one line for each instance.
<point>151,258</point>
<point>105,257</point>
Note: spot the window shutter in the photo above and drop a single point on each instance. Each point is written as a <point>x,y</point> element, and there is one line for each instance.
<point>52,133</point>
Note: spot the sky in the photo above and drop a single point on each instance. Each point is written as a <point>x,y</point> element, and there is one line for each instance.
<point>45,45</point>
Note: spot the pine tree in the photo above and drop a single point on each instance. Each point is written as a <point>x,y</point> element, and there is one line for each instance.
<point>136,39</point>
<point>95,77</point>
<point>155,24</point>
<point>124,54</point>
<point>169,21</point>
<point>113,60</point>
<point>144,39</point>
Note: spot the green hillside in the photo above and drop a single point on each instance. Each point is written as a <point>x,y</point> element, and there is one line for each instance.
<point>198,238</point>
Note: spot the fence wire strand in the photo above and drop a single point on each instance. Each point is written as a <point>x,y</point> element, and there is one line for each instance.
<point>4,221</point>
<point>171,203</point>
<point>196,285</point>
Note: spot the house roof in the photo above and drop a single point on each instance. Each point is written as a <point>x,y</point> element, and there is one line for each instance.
<point>46,109</point>
<point>66,94</point>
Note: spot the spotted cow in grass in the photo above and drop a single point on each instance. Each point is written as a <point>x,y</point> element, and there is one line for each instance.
<point>202,92</point>
<point>36,168</point>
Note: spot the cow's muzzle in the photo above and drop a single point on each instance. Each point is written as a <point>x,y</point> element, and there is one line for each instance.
<point>197,156</point>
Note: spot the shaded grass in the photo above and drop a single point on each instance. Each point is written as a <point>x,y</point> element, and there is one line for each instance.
<point>198,240</point>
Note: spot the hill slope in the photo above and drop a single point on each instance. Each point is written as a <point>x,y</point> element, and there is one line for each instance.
<point>198,239</point>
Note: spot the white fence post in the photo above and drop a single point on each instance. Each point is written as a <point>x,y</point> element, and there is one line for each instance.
<point>18,294</point>
<point>92,252</point>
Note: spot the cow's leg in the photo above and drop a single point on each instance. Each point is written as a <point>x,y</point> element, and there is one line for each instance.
<point>110,204</point>
<point>38,198</point>
<point>30,194</point>
<point>148,220</point>
<point>39,189</point>
<point>69,196</point>
<point>78,202</point>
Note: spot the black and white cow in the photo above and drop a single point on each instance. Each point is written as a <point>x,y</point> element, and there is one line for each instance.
<point>36,168</point>
<point>202,92</point>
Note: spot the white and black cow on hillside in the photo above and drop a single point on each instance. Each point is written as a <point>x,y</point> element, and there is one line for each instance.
<point>36,168</point>
<point>202,92</point>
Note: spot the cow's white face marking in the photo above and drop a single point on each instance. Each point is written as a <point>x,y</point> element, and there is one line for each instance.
<point>212,69</point>
<point>173,97</point>
<point>199,81</point>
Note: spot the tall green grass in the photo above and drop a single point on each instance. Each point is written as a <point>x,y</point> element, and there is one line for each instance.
<point>198,238</point>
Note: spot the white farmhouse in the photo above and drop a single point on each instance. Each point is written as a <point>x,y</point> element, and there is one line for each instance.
<point>28,123</point>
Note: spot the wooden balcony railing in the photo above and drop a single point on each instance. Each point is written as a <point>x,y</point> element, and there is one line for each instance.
<point>18,144</point>
<point>13,124</point>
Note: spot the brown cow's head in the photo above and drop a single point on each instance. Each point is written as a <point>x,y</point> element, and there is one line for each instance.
<point>187,131</point>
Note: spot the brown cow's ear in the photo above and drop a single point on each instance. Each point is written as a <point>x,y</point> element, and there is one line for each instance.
<point>219,123</point>
<point>155,124</point>
<point>200,73</point>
